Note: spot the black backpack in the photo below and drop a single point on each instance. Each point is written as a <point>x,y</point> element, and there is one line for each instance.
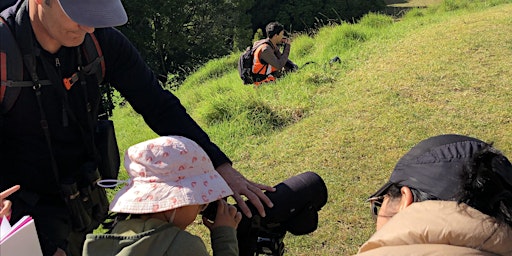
<point>246,61</point>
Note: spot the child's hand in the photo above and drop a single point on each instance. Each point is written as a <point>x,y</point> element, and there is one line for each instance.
<point>227,215</point>
<point>5,205</point>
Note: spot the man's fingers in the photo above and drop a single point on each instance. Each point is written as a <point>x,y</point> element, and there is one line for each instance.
<point>9,191</point>
<point>241,186</point>
<point>259,193</point>
<point>263,187</point>
<point>255,195</point>
<point>243,206</point>
<point>255,200</point>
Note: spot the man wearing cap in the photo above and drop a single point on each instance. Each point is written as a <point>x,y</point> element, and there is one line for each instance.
<point>449,195</point>
<point>269,62</point>
<point>46,132</point>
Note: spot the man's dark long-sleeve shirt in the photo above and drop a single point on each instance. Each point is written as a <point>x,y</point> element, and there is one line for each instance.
<point>25,154</point>
<point>161,110</point>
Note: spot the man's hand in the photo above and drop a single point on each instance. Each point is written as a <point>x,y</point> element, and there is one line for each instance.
<point>242,186</point>
<point>5,205</point>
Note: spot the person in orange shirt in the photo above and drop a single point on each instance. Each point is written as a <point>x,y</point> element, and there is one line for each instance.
<point>269,62</point>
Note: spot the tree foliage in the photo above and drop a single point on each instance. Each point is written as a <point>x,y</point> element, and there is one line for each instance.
<point>302,15</point>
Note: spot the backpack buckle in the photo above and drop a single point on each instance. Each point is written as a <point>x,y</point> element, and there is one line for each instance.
<point>68,82</point>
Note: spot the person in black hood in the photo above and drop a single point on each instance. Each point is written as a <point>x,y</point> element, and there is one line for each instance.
<point>451,195</point>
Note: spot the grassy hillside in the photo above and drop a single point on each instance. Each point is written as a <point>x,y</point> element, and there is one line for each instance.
<point>443,69</point>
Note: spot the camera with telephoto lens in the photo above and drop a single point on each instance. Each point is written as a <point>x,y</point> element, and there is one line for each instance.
<point>296,200</point>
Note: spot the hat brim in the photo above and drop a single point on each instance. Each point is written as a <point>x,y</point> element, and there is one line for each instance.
<point>383,190</point>
<point>95,13</point>
<point>141,196</point>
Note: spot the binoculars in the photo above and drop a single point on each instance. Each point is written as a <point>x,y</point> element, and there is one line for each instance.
<point>87,202</point>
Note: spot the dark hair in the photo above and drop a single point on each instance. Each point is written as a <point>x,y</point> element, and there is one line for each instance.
<point>484,186</point>
<point>418,195</point>
<point>273,28</point>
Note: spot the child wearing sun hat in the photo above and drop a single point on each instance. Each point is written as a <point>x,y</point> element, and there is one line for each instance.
<point>171,181</point>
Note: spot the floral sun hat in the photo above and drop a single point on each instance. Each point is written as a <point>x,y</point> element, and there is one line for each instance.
<point>166,173</point>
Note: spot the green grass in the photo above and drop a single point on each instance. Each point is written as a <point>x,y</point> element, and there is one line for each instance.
<point>442,69</point>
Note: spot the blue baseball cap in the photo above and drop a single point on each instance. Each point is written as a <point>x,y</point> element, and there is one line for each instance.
<point>95,13</point>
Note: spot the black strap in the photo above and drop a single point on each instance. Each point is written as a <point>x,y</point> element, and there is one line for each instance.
<point>10,83</point>
<point>55,78</point>
<point>29,60</point>
<point>14,80</point>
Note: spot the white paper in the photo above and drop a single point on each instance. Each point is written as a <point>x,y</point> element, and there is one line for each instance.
<point>20,239</point>
<point>5,227</point>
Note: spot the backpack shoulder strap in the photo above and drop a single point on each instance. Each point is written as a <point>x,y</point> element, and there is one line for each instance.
<point>258,47</point>
<point>11,68</point>
<point>261,44</point>
<point>95,66</point>
<point>269,43</point>
<point>94,56</point>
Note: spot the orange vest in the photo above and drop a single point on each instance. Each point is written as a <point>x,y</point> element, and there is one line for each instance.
<point>258,67</point>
